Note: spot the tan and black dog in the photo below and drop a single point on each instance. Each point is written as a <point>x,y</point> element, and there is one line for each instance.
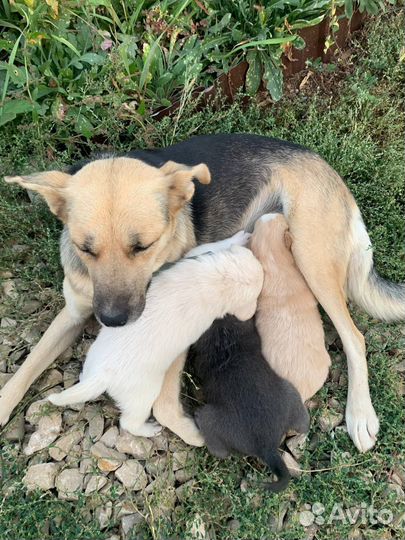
<point>125,216</point>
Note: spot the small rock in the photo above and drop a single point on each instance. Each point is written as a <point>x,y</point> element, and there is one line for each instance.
<point>296,444</point>
<point>96,424</point>
<point>66,355</point>
<point>157,465</point>
<point>52,378</point>
<point>6,322</point>
<point>160,442</point>
<point>132,475</point>
<point>4,377</point>
<point>161,483</point>
<point>69,483</point>
<point>15,429</point>
<point>183,475</point>
<point>107,459</point>
<point>95,483</point>
<point>71,374</point>
<point>9,289</point>
<point>36,411</point>
<point>129,522</point>
<point>48,430</point>
<point>110,437</point>
<point>179,460</point>
<point>183,491</point>
<point>292,465</point>
<point>30,306</point>
<point>41,476</point>
<point>138,447</point>
<point>306,518</point>
<point>329,420</point>
<point>234,525</point>
<point>31,335</point>
<point>3,361</point>
<point>64,444</point>
<point>103,514</point>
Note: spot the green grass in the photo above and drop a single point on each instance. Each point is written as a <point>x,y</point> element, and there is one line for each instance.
<point>357,125</point>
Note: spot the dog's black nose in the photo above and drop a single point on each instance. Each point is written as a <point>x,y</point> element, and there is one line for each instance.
<point>114,319</point>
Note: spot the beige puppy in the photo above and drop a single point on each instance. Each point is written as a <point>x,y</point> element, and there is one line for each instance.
<point>287,317</point>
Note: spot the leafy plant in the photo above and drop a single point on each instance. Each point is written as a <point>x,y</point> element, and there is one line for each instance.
<point>73,60</point>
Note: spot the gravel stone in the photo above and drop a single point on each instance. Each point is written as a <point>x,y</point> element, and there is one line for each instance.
<point>103,514</point>
<point>110,437</point>
<point>138,447</point>
<point>95,483</point>
<point>69,483</point>
<point>132,475</point>
<point>48,430</point>
<point>329,420</point>
<point>64,444</point>
<point>41,476</point>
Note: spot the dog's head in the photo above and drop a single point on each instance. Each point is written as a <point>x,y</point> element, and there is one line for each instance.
<point>122,217</point>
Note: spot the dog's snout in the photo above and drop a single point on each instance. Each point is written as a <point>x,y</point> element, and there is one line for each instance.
<point>114,319</point>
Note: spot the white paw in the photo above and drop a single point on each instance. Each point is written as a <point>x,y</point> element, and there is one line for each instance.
<point>241,238</point>
<point>362,425</point>
<point>148,429</point>
<point>268,217</point>
<point>55,398</point>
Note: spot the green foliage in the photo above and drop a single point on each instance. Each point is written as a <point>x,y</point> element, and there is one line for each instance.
<point>74,60</point>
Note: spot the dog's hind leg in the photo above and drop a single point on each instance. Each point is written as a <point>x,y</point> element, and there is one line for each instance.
<point>318,254</point>
<point>62,332</point>
<point>168,409</point>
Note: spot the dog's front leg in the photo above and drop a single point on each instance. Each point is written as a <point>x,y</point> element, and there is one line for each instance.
<point>168,409</point>
<point>62,332</point>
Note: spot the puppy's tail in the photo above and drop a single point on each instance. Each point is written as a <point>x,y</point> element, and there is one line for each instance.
<point>279,468</point>
<point>80,392</point>
<point>380,298</point>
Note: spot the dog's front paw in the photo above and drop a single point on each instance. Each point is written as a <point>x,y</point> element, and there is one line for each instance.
<point>362,425</point>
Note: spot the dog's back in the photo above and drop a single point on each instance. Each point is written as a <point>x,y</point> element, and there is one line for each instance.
<point>287,317</point>
<point>248,406</point>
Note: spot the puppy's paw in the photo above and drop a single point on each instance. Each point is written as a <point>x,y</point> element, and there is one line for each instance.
<point>241,238</point>
<point>269,217</point>
<point>55,398</point>
<point>362,425</point>
<point>147,429</point>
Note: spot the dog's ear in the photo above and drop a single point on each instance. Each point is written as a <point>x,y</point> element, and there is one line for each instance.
<point>288,239</point>
<point>51,185</point>
<point>180,178</point>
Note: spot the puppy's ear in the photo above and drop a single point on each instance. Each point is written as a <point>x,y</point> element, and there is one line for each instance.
<point>51,185</point>
<point>180,178</point>
<point>288,239</point>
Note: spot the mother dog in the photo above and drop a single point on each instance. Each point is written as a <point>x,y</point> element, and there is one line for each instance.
<point>125,216</point>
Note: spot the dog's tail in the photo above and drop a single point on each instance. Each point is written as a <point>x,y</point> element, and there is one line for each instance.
<point>80,392</point>
<point>380,298</point>
<point>279,468</point>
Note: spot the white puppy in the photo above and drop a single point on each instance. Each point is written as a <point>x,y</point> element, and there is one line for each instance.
<point>182,302</point>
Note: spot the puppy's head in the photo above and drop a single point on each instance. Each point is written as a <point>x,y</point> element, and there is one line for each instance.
<point>270,238</point>
<point>121,215</point>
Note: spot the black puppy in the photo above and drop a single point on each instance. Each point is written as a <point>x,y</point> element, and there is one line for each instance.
<point>248,406</point>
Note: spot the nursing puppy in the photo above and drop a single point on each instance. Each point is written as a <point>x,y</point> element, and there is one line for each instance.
<point>287,317</point>
<point>248,406</point>
<point>182,302</point>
